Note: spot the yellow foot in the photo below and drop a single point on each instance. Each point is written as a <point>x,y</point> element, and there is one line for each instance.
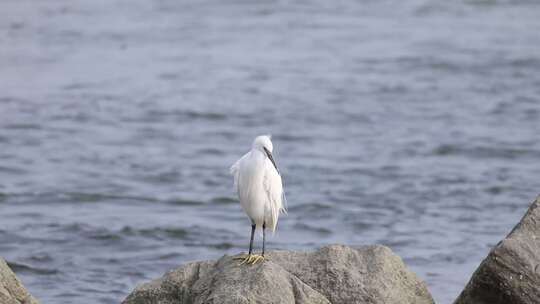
<point>250,259</point>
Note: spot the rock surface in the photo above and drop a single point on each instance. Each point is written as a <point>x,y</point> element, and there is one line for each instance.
<point>511,271</point>
<point>333,274</point>
<point>12,290</point>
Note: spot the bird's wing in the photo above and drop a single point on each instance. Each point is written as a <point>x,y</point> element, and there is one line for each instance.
<point>235,170</point>
<point>274,190</point>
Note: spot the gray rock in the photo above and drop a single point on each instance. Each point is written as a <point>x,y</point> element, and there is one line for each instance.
<point>511,271</point>
<point>333,274</point>
<point>12,290</point>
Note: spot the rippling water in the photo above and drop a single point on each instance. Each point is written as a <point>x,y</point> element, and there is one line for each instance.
<point>413,124</point>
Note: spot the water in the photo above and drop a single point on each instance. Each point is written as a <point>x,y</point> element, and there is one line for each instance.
<point>413,124</point>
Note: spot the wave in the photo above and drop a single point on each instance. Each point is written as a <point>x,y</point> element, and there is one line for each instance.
<point>23,268</point>
<point>485,151</point>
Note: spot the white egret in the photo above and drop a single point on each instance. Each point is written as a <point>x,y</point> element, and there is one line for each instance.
<point>260,190</point>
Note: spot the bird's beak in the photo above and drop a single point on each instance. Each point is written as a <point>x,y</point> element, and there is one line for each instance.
<point>269,154</point>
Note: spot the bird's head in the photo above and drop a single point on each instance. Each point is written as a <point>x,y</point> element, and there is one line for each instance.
<point>263,143</point>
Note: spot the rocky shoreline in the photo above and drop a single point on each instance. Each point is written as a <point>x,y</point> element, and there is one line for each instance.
<point>335,274</point>
<point>511,271</point>
<point>12,290</point>
<point>332,274</point>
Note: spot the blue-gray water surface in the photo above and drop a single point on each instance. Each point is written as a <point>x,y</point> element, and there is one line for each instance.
<point>413,124</point>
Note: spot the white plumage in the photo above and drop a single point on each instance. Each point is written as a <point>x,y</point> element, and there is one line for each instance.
<point>259,185</point>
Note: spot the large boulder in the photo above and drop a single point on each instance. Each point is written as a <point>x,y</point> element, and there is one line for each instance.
<point>333,274</point>
<point>511,271</point>
<point>12,290</point>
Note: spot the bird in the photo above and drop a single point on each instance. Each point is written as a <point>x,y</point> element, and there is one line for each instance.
<point>260,191</point>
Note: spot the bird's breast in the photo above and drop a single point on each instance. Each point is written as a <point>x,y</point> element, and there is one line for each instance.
<point>251,185</point>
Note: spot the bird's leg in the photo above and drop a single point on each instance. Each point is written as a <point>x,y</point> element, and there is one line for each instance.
<point>264,238</point>
<point>256,258</point>
<point>251,259</point>
<point>251,241</point>
<point>248,257</point>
